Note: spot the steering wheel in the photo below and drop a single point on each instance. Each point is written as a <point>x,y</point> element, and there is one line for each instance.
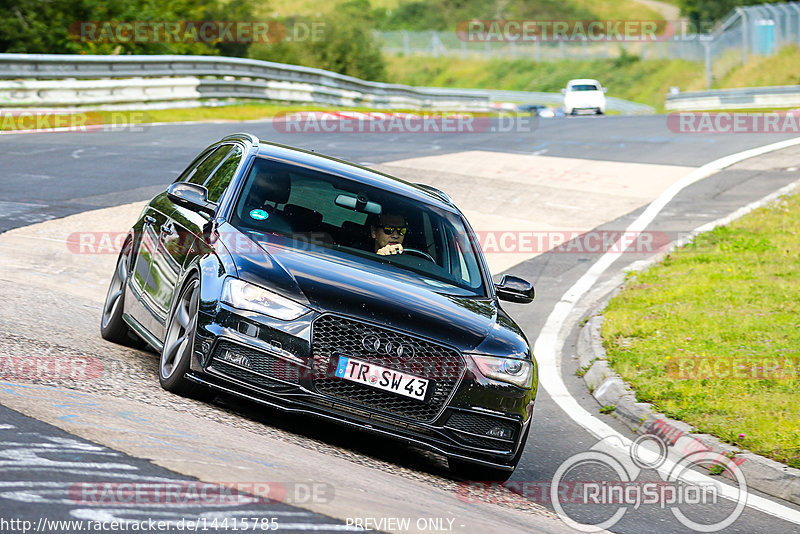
<point>421,254</point>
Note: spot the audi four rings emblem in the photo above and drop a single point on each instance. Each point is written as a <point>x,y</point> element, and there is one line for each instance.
<point>373,343</point>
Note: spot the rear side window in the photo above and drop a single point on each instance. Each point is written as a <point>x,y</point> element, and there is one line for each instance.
<point>220,180</point>
<point>189,171</point>
<point>204,170</point>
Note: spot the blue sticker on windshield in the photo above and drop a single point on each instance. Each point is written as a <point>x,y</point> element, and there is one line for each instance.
<point>259,214</point>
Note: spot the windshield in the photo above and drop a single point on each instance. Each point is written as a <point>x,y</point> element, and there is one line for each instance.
<point>319,211</point>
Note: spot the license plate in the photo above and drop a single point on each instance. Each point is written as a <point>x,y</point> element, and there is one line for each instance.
<point>381,378</point>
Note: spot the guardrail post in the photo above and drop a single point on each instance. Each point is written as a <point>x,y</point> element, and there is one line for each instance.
<point>778,38</point>
<point>745,34</point>
<point>706,40</point>
<point>796,7</point>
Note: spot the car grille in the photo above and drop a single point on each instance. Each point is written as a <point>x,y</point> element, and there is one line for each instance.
<point>333,336</point>
<point>253,366</point>
<point>480,424</point>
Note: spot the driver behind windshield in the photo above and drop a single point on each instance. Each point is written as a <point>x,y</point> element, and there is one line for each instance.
<point>389,233</point>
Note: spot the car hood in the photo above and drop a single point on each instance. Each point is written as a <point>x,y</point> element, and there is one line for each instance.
<point>329,281</point>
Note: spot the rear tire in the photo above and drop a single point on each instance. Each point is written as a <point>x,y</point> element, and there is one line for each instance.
<point>112,327</point>
<point>178,347</point>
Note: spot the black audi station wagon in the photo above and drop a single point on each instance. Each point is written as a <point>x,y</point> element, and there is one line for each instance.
<point>263,272</point>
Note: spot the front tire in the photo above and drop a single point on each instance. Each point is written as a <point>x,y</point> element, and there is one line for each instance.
<point>176,354</point>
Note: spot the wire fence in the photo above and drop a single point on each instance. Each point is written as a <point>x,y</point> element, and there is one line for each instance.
<point>761,30</point>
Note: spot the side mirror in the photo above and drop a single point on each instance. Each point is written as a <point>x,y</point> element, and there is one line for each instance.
<point>605,89</point>
<point>514,289</point>
<point>193,197</point>
<point>563,91</point>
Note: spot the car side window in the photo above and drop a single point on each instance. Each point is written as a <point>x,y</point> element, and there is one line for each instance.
<point>220,180</point>
<point>189,171</point>
<point>201,173</point>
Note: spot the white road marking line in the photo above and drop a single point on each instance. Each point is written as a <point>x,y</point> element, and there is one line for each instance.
<point>551,339</point>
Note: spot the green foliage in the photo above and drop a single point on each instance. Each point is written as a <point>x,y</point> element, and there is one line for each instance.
<point>443,15</point>
<point>716,469</point>
<point>633,79</point>
<point>50,26</point>
<point>345,45</point>
<point>703,14</point>
<point>625,59</point>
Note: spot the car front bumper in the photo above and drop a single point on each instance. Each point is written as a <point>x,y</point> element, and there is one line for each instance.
<point>278,364</point>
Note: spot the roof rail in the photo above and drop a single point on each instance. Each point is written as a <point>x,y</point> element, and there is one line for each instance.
<point>438,192</point>
<point>242,136</point>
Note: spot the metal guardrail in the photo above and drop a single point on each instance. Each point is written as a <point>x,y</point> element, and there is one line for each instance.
<point>746,98</point>
<point>216,77</point>
<point>52,80</point>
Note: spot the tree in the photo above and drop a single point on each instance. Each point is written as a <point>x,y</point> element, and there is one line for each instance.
<point>345,44</point>
<point>54,26</point>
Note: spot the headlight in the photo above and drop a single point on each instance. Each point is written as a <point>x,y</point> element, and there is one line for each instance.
<point>511,370</point>
<point>244,296</point>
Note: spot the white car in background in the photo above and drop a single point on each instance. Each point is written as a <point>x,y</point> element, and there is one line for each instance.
<point>584,95</point>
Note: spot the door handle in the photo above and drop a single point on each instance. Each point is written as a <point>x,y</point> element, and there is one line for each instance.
<point>149,219</point>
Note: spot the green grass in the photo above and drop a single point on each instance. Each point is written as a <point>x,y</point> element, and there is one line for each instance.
<point>780,69</point>
<point>731,298</point>
<point>626,77</point>
<point>412,12</point>
<point>236,112</point>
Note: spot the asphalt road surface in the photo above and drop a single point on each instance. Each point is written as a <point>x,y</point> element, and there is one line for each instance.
<point>48,176</point>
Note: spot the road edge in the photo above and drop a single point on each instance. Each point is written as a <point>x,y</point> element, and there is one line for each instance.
<point>609,389</point>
